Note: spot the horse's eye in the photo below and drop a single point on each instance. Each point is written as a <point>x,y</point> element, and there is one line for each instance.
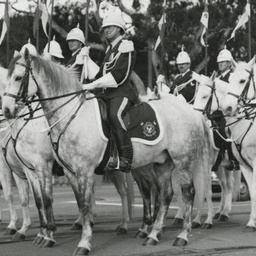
<point>18,78</point>
<point>242,81</point>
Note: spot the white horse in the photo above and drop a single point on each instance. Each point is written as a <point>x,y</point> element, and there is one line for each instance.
<point>242,134</point>
<point>26,134</point>
<point>80,147</point>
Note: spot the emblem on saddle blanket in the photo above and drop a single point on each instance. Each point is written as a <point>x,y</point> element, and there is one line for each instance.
<point>142,122</point>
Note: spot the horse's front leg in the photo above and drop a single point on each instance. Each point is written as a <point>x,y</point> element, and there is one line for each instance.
<point>85,189</point>
<point>44,174</point>
<point>6,182</point>
<point>23,188</point>
<point>37,194</point>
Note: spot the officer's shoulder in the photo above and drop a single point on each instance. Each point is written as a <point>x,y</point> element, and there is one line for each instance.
<point>126,46</point>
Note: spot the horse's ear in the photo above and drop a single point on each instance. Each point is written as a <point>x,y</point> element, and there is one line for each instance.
<point>251,62</point>
<point>26,53</point>
<point>233,63</point>
<point>214,75</point>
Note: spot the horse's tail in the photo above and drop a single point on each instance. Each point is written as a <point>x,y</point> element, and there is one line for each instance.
<point>130,194</point>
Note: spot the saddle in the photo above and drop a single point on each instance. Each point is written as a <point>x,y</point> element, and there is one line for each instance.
<point>141,121</point>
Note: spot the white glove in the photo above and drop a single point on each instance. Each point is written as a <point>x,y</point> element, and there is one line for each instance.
<point>85,51</point>
<point>160,79</point>
<point>80,59</point>
<point>89,86</point>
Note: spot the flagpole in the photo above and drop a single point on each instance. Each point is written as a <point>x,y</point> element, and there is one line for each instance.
<point>37,31</point>
<point>8,37</point>
<point>86,22</point>
<point>162,43</point>
<point>249,35</point>
<point>50,27</point>
<point>206,40</point>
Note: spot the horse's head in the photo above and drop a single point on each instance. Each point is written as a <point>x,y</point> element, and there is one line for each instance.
<point>242,88</point>
<point>205,100</point>
<point>20,85</point>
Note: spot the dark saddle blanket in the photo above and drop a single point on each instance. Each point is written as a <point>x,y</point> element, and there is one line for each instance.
<point>142,122</point>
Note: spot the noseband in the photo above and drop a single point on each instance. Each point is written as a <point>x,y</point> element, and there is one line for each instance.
<point>207,110</point>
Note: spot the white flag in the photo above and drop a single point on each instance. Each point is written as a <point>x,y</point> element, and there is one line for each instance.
<point>242,20</point>
<point>44,17</point>
<point>204,20</point>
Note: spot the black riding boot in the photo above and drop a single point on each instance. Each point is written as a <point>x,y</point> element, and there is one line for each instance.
<point>125,150</point>
<point>234,164</point>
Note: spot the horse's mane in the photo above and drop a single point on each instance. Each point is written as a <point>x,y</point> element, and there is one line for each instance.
<point>51,73</point>
<point>55,74</point>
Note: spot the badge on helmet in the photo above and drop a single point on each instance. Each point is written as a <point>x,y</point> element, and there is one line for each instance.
<point>76,34</point>
<point>54,50</point>
<point>113,19</point>
<point>31,48</point>
<point>224,55</point>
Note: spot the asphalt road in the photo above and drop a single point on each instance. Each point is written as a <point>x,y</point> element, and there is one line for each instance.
<point>226,239</point>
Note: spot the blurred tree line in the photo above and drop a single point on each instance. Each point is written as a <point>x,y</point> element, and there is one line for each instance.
<point>182,28</point>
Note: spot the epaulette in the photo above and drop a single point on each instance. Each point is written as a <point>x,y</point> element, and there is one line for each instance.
<point>126,46</point>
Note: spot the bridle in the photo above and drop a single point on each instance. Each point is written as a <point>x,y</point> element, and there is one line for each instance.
<point>242,98</point>
<point>207,109</point>
<point>22,97</point>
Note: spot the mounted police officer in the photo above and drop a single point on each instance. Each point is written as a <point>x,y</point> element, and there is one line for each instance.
<point>224,61</point>
<point>184,85</point>
<point>114,77</point>
<point>55,52</point>
<point>76,44</point>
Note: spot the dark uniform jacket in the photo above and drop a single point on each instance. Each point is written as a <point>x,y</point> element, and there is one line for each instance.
<point>226,76</point>
<point>120,64</point>
<point>188,92</point>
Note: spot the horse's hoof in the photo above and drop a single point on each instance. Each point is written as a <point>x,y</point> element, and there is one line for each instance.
<point>207,226</point>
<point>249,229</point>
<point>121,231</point>
<point>38,240</point>
<point>180,242</point>
<point>178,221</point>
<point>76,226</point>
<point>216,216</point>
<point>19,237</point>
<point>10,232</point>
<point>149,241</point>
<point>140,235</point>
<point>47,243</point>
<point>195,224</point>
<point>81,251</point>
<point>223,218</point>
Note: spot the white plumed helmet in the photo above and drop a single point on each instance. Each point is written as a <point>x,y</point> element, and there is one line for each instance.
<point>183,57</point>
<point>113,19</point>
<point>31,48</point>
<point>224,55</point>
<point>76,34</point>
<point>55,49</point>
